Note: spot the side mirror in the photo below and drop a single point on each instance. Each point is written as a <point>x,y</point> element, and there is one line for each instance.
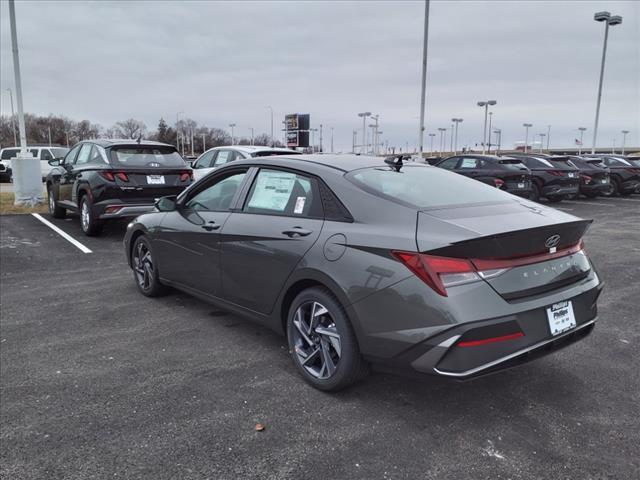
<point>54,162</point>
<point>167,204</point>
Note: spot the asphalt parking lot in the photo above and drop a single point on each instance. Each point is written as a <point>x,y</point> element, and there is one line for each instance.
<point>98,381</point>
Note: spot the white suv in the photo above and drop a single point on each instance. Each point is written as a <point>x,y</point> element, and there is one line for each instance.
<point>43,153</point>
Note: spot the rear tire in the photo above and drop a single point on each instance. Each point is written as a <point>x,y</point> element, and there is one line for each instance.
<point>90,225</point>
<point>322,343</point>
<point>614,188</point>
<point>145,269</point>
<point>55,210</point>
<point>555,198</point>
<point>535,193</point>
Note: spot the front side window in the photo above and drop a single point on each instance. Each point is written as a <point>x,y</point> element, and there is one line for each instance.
<point>59,152</point>
<point>278,192</point>
<point>71,156</point>
<point>84,155</point>
<point>449,163</point>
<point>218,196</point>
<point>46,155</point>
<point>424,187</point>
<point>205,161</point>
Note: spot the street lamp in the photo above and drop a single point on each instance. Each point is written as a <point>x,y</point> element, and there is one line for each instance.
<point>178,133</point>
<point>456,121</point>
<point>364,116</point>
<point>486,111</point>
<point>582,130</point>
<point>608,21</point>
<point>313,139</point>
<point>526,135</point>
<point>431,135</point>
<point>498,133</point>
<point>331,139</point>
<point>548,137</point>
<point>489,136</point>
<point>542,135</point>
<point>442,130</point>
<point>624,138</point>
<point>232,125</point>
<point>251,128</point>
<point>271,110</point>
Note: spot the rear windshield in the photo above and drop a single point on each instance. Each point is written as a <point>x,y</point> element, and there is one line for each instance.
<point>513,164</point>
<point>634,161</point>
<point>147,157</point>
<point>423,186</point>
<point>618,162</point>
<point>539,162</point>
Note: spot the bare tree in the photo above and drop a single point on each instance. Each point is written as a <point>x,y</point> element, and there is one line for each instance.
<point>130,128</point>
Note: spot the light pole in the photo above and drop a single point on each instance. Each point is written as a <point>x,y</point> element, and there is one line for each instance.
<point>271,110</point>
<point>498,133</point>
<point>178,132</point>
<point>374,139</point>
<point>313,139</point>
<point>441,130</point>
<point>13,119</point>
<point>609,21</point>
<point>456,121</point>
<point>49,129</point>
<point>489,136</point>
<point>232,139</point>
<point>353,143</point>
<point>485,104</point>
<point>582,130</point>
<point>542,135</point>
<point>204,143</point>
<point>424,77</point>
<point>624,139</point>
<point>548,136</point>
<point>526,135</point>
<point>431,148</point>
<point>251,128</point>
<point>364,116</point>
<point>331,139</point>
<point>320,149</point>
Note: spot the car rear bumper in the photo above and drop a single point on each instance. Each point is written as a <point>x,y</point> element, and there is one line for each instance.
<point>595,188</point>
<point>116,208</point>
<point>631,186</point>
<point>556,190</point>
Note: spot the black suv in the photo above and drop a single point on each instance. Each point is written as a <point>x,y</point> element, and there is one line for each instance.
<point>554,177</point>
<point>110,179</point>
<point>508,174</point>
<point>594,176</point>
<point>625,174</point>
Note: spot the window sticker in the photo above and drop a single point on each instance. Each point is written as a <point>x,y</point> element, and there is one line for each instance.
<point>272,191</point>
<point>299,205</point>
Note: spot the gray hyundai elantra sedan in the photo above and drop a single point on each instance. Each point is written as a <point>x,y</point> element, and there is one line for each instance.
<point>361,262</point>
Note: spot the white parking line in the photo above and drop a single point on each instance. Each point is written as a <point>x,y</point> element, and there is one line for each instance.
<point>62,233</point>
<point>588,203</point>
<point>636,200</point>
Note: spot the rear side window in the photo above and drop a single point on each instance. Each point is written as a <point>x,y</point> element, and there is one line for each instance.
<point>424,187</point>
<point>147,156</point>
<point>618,162</point>
<point>513,164</point>
<point>449,163</point>
<point>277,192</point>
<point>469,163</point>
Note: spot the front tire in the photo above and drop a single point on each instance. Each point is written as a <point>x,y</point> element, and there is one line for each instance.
<point>535,192</point>
<point>55,210</point>
<point>91,226</point>
<point>322,343</point>
<point>614,188</point>
<point>145,269</point>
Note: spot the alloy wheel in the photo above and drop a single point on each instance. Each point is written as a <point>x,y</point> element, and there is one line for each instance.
<point>85,217</point>
<point>143,265</point>
<point>316,340</point>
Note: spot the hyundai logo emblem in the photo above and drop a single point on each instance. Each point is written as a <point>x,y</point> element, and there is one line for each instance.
<point>552,241</point>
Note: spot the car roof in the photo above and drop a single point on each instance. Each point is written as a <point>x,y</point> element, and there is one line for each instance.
<point>343,163</point>
<point>252,148</point>
<point>110,142</point>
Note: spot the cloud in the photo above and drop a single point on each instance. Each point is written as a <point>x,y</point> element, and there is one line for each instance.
<point>223,62</point>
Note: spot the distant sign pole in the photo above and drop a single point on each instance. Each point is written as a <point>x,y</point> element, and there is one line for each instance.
<point>424,76</point>
<point>26,169</point>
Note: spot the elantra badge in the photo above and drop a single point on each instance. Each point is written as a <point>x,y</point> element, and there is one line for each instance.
<point>154,164</point>
<point>552,242</point>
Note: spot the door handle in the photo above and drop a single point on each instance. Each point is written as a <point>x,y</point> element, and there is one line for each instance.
<point>297,232</point>
<point>210,226</point>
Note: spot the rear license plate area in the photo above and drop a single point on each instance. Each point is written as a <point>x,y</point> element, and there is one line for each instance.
<point>560,317</point>
<point>155,179</point>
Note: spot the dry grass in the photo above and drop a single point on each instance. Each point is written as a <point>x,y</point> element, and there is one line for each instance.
<point>8,208</point>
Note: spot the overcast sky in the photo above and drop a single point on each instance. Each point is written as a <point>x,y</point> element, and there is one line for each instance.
<point>223,62</point>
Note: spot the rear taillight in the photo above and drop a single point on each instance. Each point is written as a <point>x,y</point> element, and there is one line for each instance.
<point>586,178</point>
<point>442,272</point>
<point>498,183</point>
<point>633,170</point>
<point>186,176</point>
<point>108,175</point>
<point>557,173</point>
<point>111,176</point>
<point>439,272</point>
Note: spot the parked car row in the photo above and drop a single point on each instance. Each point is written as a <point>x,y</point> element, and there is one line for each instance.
<point>43,153</point>
<point>553,177</point>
